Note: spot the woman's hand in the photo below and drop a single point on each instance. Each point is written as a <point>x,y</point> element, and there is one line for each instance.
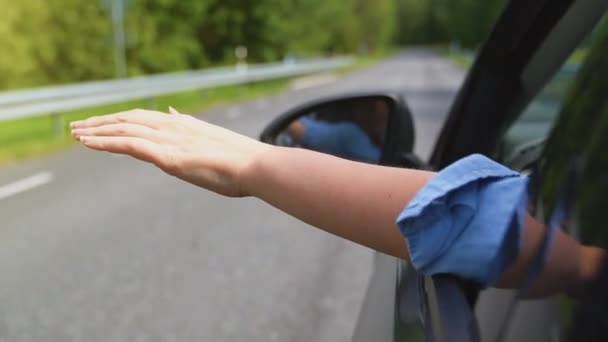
<point>203,154</point>
<point>357,201</point>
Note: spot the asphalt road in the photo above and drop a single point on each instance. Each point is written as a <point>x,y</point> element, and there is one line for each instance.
<point>109,249</point>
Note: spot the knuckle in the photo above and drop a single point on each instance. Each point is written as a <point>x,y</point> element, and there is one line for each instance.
<point>121,130</point>
<point>122,118</point>
<point>97,143</point>
<point>130,146</point>
<point>170,162</point>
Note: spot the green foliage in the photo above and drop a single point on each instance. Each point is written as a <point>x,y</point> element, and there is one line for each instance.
<point>30,137</point>
<point>467,22</point>
<point>77,42</point>
<point>59,41</point>
<point>161,35</point>
<point>19,41</point>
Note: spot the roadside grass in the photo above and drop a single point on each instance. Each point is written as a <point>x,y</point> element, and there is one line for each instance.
<point>34,137</point>
<point>30,137</point>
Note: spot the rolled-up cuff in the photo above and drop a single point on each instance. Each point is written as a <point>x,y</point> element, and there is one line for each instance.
<point>467,220</point>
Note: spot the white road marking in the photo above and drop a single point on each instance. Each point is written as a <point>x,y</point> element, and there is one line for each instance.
<point>25,184</point>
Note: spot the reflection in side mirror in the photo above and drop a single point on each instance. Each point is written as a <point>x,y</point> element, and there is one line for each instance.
<point>354,128</point>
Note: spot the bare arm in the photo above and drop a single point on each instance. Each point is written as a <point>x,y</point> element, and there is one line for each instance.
<point>360,202</point>
<point>570,266</point>
<point>356,201</point>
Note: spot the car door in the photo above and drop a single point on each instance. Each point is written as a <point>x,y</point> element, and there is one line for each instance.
<point>535,144</point>
<point>531,45</point>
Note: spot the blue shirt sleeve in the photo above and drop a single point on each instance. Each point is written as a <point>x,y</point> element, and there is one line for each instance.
<point>315,133</point>
<point>343,139</point>
<point>467,220</point>
<point>360,146</point>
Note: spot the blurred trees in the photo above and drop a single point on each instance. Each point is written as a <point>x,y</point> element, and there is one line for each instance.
<point>19,41</point>
<point>77,44</point>
<point>438,21</point>
<point>46,42</point>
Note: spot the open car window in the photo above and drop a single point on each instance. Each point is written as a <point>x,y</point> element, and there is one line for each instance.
<point>558,126</point>
<point>560,139</point>
<point>523,142</point>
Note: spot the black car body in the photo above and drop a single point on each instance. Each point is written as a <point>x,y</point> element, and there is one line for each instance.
<point>528,103</point>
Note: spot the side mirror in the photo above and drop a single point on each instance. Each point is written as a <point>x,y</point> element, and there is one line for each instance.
<point>373,128</point>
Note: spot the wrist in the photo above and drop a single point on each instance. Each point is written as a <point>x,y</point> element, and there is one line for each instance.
<point>252,175</point>
<point>590,263</point>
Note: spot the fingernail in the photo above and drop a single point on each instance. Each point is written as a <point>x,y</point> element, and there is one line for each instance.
<point>82,139</point>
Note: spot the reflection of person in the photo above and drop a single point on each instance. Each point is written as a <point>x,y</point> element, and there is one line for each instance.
<point>466,220</point>
<point>360,139</point>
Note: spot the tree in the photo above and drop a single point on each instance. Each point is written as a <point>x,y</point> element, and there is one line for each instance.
<point>19,40</point>
<point>71,40</point>
<point>78,36</point>
<point>442,21</point>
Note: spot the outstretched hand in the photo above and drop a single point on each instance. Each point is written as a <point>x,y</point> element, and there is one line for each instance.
<point>198,152</point>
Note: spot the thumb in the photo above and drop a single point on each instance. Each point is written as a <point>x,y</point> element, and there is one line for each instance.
<point>173,110</point>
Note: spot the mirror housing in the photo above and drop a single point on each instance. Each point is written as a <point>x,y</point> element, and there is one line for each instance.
<point>398,135</point>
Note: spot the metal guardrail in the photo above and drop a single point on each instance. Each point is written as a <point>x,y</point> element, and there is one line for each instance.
<point>12,98</point>
<point>55,100</point>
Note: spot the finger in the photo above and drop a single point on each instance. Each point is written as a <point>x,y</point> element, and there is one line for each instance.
<point>121,130</point>
<point>173,110</point>
<point>135,147</point>
<point>147,118</point>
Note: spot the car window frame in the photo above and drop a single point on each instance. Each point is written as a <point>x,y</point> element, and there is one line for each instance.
<point>498,86</point>
<point>506,75</point>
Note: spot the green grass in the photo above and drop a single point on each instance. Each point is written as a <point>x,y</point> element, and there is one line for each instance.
<point>33,137</point>
<point>25,138</point>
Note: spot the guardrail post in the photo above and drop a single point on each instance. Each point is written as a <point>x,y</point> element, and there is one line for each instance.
<point>58,124</point>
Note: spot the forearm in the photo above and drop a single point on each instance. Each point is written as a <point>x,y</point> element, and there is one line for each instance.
<point>360,202</point>
<point>357,201</point>
<point>569,266</point>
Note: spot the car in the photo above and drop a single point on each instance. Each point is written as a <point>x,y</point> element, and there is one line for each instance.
<point>536,100</point>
